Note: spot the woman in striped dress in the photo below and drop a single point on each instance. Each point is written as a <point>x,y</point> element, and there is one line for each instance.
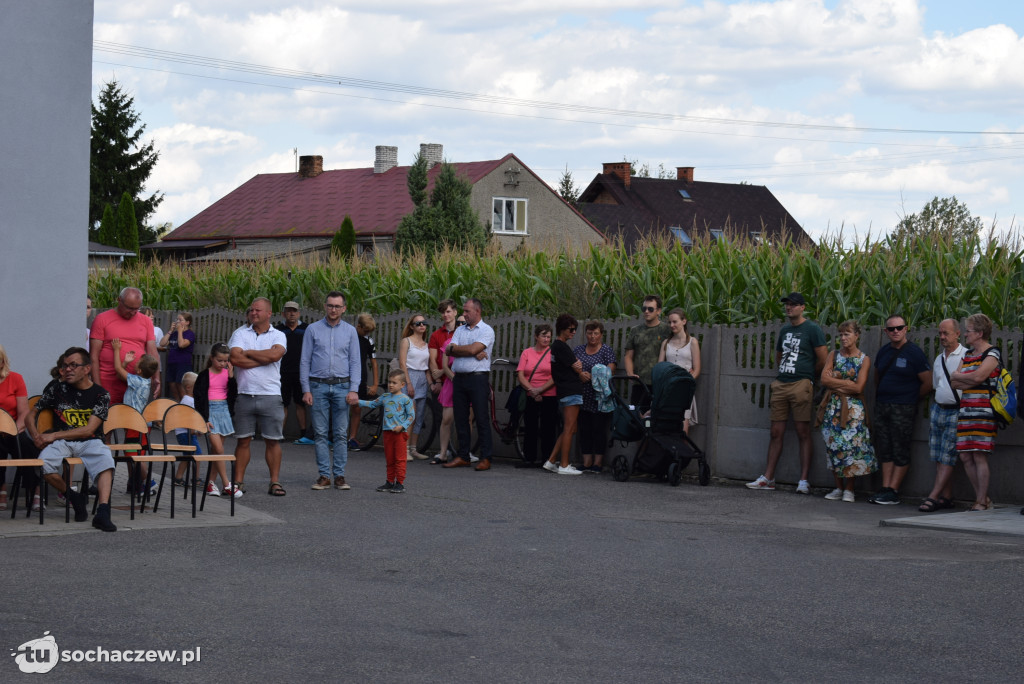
<point>976,424</point>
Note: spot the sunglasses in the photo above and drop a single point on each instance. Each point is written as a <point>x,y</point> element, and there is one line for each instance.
<point>460,322</point>
<point>894,328</point>
<point>420,324</point>
<point>648,309</point>
<point>72,366</point>
<point>572,329</point>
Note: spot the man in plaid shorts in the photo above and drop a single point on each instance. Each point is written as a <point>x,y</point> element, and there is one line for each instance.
<point>942,433</point>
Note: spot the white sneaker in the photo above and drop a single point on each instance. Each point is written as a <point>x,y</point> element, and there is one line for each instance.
<point>848,496</point>
<point>835,495</point>
<point>231,490</point>
<point>211,489</point>
<point>417,455</point>
<point>472,458</point>
<point>762,482</point>
<point>568,470</point>
<point>37,504</point>
<point>803,487</point>
<point>550,467</point>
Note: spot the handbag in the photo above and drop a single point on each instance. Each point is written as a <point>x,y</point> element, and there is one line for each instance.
<point>517,397</point>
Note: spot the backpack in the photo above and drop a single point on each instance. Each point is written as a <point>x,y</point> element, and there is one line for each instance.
<point>627,426</point>
<point>1003,397</point>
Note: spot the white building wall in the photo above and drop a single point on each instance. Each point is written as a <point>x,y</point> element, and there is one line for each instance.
<point>46,53</point>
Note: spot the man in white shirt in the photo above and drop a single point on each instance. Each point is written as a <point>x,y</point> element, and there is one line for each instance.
<point>942,433</point>
<point>256,352</point>
<point>470,352</point>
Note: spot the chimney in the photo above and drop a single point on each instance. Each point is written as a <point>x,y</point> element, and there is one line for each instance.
<point>386,159</point>
<point>684,173</point>
<point>311,166</point>
<point>433,152</point>
<point>620,170</point>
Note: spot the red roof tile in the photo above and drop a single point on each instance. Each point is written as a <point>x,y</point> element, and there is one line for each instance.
<point>287,205</point>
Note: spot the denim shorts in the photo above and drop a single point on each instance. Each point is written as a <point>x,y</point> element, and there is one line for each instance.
<point>220,418</point>
<point>259,410</point>
<point>571,400</point>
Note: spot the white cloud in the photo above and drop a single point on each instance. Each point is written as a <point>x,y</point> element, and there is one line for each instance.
<point>800,62</point>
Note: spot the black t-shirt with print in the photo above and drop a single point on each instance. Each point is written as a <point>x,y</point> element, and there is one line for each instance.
<point>74,407</point>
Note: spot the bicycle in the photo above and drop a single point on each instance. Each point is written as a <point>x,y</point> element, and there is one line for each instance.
<point>509,432</point>
<point>371,425</point>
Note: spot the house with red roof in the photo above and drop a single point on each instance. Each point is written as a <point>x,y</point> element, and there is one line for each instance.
<point>280,215</point>
<point>634,208</point>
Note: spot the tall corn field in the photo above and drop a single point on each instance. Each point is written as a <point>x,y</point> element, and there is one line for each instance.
<point>925,279</point>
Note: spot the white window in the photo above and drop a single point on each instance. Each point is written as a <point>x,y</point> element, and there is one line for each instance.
<point>508,215</point>
<point>717,234</point>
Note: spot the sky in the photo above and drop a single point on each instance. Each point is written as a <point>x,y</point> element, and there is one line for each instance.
<point>853,113</point>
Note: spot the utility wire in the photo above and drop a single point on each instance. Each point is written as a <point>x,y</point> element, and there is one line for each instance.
<point>423,91</point>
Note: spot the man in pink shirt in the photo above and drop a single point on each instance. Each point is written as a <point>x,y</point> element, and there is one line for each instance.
<point>135,333</point>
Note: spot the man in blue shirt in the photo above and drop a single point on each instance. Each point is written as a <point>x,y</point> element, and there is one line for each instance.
<point>330,371</point>
<point>470,352</point>
<point>902,378</point>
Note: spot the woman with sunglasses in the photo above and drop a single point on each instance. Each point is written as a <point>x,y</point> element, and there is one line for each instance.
<point>414,360</point>
<point>567,371</point>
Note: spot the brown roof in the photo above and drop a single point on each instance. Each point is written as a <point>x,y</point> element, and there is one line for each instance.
<point>651,206</point>
<point>287,205</point>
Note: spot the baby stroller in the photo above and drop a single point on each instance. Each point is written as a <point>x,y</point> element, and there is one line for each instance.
<point>664,449</point>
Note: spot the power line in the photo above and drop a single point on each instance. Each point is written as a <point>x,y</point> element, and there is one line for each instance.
<point>423,91</point>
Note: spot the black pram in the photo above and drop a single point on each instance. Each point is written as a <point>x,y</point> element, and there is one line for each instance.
<point>664,449</point>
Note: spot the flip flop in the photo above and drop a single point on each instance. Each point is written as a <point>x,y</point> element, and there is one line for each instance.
<point>276,489</point>
<point>437,460</point>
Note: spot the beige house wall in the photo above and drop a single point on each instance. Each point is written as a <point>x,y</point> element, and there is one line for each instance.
<point>551,223</point>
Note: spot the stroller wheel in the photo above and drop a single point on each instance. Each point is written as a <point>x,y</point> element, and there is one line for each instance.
<point>620,468</point>
<point>675,474</point>
<point>703,473</point>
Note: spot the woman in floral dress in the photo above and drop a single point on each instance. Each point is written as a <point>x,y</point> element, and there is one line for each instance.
<point>845,422</point>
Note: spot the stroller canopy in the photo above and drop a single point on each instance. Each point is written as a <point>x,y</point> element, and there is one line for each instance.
<point>673,394</point>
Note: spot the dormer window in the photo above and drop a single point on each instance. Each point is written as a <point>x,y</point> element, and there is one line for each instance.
<point>680,235</point>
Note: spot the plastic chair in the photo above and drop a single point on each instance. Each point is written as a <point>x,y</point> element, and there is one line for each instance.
<point>10,427</point>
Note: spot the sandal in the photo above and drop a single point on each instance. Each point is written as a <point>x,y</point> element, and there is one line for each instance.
<point>984,505</point>
<point>240,486</point>
<point>434,461</point>
<point>944,503</point>
<point>276,489</point>
<point>3,500</point>
<point>929,505</point>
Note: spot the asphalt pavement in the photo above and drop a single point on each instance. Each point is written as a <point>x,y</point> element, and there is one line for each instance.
<point>519,575</point>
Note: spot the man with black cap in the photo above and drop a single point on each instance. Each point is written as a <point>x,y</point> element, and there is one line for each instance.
<point>291,387</point>
<point>800,354</point>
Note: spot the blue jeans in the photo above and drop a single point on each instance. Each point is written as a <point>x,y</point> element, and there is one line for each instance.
<point>329,405</point>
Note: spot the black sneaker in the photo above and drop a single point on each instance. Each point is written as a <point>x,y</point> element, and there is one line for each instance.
<point>386,487</point>
<point>80,502</point>
<point>397,488</point>
<point>101,520</point>
<point>888,498</point>
<point>874,497</point>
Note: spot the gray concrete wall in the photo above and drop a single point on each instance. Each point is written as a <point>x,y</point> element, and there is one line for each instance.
<point>552,225</point>
<point>738,364</point>
<point>46,52</point>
